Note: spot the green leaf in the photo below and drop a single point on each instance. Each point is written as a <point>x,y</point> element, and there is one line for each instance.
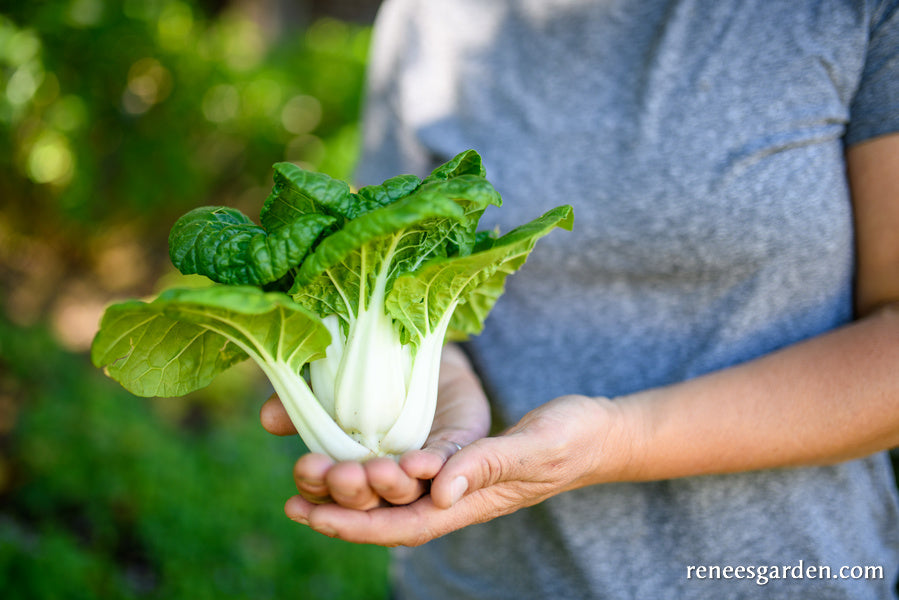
<point>419,299</point>
<point>369,246</point>
<point>464,179</point>
<point>465,163</point>
<point>434,215</point>
<point>298,192</point>
<point>226,246</point>
<point>180,341</point>
<point>371,197</point>
<point>473,194</point>
<point>323,297</point>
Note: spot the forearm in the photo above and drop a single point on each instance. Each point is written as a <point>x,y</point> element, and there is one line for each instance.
<point>825,400</point>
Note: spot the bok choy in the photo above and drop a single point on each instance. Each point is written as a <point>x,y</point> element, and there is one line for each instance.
<point>344,299</point>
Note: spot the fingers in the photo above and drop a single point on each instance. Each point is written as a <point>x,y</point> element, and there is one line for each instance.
<point>274,418</point>
<point>360,486</point>
<point>377,482</point>
<point>480,465</point>
<point>310,474</point>
<point>389,481</point>
<point>320,480</point>
<point>478,483</point>
<point>427,462</point>
<point>549,451</point>
<point>349,487</point>
<point>409,525</point>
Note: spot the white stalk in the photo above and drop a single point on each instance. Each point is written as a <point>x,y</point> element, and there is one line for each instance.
<point>413,425</point>
<point>371,382</point>
<point>323,372</point>
<point>370,387</point>
<point>319,431</point>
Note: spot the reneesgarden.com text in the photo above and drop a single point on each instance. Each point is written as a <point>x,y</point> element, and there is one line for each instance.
<point>763,574</point>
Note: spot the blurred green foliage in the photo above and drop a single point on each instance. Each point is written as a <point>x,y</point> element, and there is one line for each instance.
<point>117,497</point>
<point>114,109</point>
<point>115,118</point>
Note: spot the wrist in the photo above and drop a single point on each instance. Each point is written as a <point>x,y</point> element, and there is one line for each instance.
<point>622,440</point>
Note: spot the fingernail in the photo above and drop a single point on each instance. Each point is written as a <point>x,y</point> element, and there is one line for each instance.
<point>300,520</point>
<point>458,488</point>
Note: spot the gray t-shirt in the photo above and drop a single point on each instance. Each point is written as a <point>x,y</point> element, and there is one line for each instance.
<point>701,145</point>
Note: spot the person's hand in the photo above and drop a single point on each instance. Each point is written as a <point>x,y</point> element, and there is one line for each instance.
<point>462,417</point>
<point>567,443</point>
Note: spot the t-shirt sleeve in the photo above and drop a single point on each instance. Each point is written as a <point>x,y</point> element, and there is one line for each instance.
<point>875,108</point>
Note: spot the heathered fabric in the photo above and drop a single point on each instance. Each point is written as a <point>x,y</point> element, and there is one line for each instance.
<point>701,145</point>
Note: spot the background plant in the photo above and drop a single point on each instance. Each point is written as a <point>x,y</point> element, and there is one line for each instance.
<point>115,118</point>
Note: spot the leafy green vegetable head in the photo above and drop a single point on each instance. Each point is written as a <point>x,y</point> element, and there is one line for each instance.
<point>364,287</point>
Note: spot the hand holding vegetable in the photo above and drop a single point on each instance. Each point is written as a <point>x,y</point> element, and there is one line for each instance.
<point>344,300</point>
<point>462,417</point>
<point>552,449</point>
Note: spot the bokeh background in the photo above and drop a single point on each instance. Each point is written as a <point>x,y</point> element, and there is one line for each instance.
<point>115,118</point>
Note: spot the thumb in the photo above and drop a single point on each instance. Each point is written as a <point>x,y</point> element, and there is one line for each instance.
<point>479,465</point>
<point>274,418</point>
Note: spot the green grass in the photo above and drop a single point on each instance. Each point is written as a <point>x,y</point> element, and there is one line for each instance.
<point>106,495</point>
